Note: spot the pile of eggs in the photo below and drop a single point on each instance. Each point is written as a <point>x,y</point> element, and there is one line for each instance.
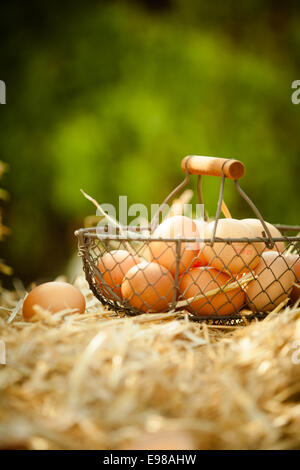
<point>203,270</point>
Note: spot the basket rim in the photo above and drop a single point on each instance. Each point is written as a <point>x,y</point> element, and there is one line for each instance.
<point>95,233</point>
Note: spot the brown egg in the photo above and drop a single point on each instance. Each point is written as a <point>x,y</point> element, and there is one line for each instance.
<point>114,265</point>
<point>54,297</point>
<point>257,225</point>
<point>199,281</point>
<point>148,287</point>
<point>295,265</point>
<point>164,253</point>
<point>200,259</point>
<point>233,257</point>
<point>274,282</point>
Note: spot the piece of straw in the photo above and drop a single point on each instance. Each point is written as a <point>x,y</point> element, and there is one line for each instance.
<point>226,288</point>
<point>114,222</point>
<point>177,207</point>
<point>225,210</point>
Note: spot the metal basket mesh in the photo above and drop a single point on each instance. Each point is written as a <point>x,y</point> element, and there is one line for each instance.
<point>223,293</point>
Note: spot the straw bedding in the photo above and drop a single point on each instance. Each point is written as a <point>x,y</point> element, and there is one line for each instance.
<point>102,381</point>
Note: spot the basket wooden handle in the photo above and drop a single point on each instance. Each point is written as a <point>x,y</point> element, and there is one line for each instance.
<point>213,166</point>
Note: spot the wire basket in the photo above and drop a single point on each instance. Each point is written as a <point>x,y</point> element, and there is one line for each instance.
<point>223,281</point>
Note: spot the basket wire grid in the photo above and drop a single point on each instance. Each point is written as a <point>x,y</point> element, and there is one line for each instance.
<point>217,293</point>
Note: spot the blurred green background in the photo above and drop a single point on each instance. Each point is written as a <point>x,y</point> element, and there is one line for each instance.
<point>110,96</point>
